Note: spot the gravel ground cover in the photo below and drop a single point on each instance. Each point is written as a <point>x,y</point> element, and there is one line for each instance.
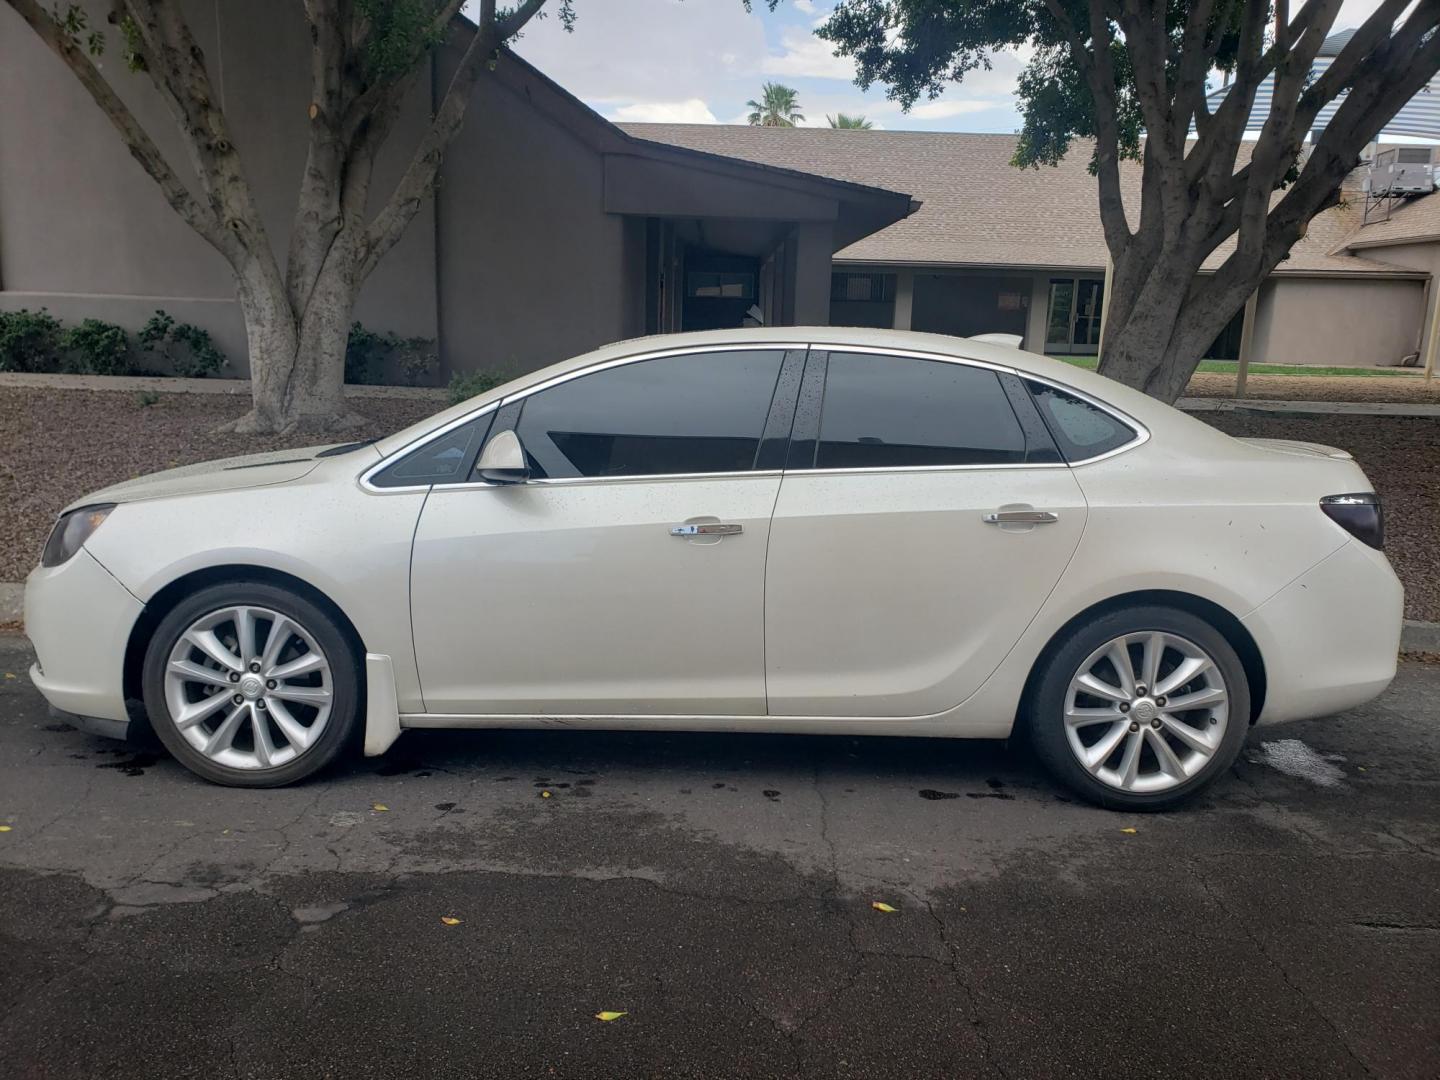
<point>56,445</point>
<point>1411,389</point>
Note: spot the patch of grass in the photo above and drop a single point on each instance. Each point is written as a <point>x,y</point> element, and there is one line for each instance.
<point>1230,367</point>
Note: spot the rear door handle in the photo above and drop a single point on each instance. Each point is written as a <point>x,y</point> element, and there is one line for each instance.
<point>1021,517</point>
<point>707,528</point>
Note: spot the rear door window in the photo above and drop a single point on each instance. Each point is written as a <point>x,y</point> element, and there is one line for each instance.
<point>892,412</point>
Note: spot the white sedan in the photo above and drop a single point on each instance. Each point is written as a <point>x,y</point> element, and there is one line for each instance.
<point>794,530</point>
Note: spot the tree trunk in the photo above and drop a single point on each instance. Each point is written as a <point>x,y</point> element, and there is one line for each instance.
<point>298,362</point>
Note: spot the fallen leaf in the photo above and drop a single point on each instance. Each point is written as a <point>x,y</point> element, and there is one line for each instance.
<point>9,674</point>
<point>4,828</point>
<point>545,794</point>
<point>449,920</point>
<point>607,1015</point>
<point>379,806</point>
<point>1129,832</point>
<point>880,905</point>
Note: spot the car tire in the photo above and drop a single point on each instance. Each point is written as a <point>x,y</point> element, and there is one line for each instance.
<point>1085,739</point>
<point>267,712</point>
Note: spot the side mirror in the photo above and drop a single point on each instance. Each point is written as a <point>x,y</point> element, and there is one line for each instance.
<point>503,460</point>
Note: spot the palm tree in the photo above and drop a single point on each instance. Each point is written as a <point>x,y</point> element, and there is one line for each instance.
<point>779,106</point>
<point>843,120</point>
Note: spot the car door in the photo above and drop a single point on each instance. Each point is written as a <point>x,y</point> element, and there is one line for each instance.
<point>924,516</point>
<point>627,575</point>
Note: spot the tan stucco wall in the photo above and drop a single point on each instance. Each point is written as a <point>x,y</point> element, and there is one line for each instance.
<point>1347,321</point>
<point>83,230</point>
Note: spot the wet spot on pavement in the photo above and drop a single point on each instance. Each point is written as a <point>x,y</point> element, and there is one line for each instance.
<point>771,794</point>
<point>933,795</point>
<point>134,766</point>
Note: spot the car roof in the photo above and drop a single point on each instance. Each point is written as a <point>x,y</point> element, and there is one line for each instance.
<point>1138,405</point>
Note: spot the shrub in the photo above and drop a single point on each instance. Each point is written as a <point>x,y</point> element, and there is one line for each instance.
<point>364,354</point>
<point>187,349</point>
<point>97,348</point>
<point>467,384</point>
<point>29,341</point>
<point>368,351</point>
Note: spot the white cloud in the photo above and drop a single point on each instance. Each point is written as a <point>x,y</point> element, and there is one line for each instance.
<point>806,6</point>
<point>689,111</point>
<point>807,56</point>
<point>942,108</point>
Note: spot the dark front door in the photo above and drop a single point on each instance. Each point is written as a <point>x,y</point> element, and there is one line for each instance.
<point>719,289</point>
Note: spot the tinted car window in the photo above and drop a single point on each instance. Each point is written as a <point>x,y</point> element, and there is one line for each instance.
<point>697,413</point>
<point>895,411</point>
<point>1082,430</point>
<point>445,460</point>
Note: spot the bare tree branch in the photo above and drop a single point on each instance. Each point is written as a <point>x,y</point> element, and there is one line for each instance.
<point>142,148</point>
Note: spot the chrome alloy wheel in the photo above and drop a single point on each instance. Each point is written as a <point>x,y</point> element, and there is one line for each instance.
<point>248,687</point>
<point>1146,711</point>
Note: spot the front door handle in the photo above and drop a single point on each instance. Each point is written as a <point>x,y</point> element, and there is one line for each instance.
<point>707,528</point>
<point>1021,517</point>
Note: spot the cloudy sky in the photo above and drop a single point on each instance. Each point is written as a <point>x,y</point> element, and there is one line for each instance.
<point>699,61</point>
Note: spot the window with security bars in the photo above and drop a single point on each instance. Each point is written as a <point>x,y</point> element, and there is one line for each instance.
<point>862,288</point>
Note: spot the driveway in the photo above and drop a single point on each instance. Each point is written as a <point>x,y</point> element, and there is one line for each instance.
<point>718,891</point>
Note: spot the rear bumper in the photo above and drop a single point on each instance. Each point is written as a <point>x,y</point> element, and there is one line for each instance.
<point>79,619</point>
<point>1330,639</point>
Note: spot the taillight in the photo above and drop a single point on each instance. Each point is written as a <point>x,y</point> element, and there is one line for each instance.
<point>1359,514</point>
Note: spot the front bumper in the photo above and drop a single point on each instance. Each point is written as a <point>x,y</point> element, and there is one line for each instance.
<point>1331,638</point>
<point>79,619</point>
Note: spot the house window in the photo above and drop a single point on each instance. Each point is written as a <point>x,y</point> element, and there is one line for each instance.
<point>862,288</point>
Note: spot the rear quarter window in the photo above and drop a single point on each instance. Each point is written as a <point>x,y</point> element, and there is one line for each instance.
<point>1081,430</point>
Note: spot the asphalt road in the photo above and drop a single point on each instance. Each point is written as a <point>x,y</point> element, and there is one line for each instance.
<point>718,891</point>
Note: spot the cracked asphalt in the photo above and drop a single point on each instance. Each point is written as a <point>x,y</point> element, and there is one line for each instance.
<point>718,891</point>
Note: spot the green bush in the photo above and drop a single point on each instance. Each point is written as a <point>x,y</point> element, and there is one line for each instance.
<point>367,352</point>
<point>29,341</point>
<point>467,384</point>
<point>364,354</point>
<point>187,349</point>
<point>97,348</point>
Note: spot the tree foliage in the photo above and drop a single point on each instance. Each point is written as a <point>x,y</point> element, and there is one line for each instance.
<point>1130,79</point>
<point>845,120</point>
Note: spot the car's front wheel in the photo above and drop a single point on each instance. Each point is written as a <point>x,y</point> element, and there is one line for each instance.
<point>1141,709</point>
<point>251,685</point>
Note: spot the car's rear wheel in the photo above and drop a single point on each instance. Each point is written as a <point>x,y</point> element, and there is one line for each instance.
<point>1141,709</point>
<point>251,685</point>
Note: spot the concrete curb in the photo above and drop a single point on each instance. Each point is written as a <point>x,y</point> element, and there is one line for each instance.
<point>167,385</point>
<point>1420,637</point>
<point>1308,408</point>
<point>12,602</point>
<point>1414,636</point>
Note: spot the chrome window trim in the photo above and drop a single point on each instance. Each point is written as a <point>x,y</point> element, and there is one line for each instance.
<point>1142,433</point>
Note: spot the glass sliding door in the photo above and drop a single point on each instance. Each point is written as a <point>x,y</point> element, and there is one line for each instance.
<point>1072,327</point>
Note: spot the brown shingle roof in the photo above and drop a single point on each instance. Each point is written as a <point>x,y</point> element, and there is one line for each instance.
<point>976,208</point>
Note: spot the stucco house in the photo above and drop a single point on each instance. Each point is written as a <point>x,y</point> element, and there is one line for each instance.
<point>554,230</point>
<point>993,248</point>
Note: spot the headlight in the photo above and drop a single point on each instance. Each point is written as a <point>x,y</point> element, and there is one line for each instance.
<point>71,532</point>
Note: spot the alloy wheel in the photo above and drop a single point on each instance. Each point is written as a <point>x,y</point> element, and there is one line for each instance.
<point>1147,711</point>
<point>248,687</point>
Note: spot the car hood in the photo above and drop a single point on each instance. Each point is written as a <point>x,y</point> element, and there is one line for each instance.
<point>1295,448</point>
<point>226,474</point>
